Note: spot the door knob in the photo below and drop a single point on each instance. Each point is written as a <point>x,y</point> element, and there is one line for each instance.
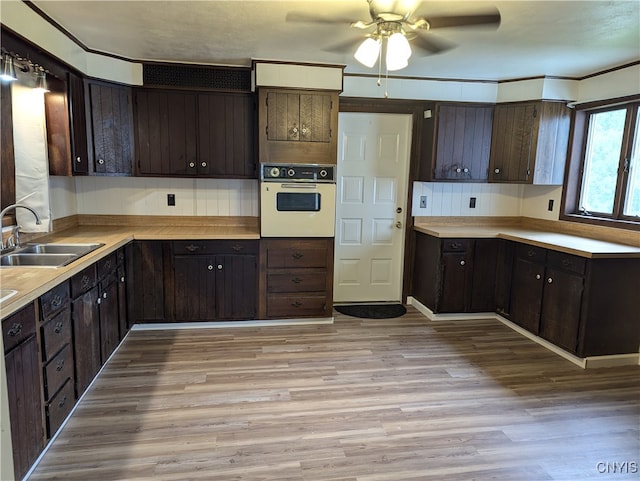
<point>399,225</point>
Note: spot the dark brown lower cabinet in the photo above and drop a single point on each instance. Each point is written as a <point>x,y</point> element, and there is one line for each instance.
<point>146,279</point>
<point>22,364</point>
<point>86,330</point>
<point>108,312</point>
<point>455,275</point>
<point>526,294</point>
<point>215,280</point>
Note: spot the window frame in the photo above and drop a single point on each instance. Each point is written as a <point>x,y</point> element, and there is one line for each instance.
<point>574,172</point>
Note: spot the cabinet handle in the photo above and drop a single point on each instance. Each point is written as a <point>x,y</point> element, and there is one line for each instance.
<point>101,161</point>
<point>15,329</point>
<point>210,267</point>
<point>58,328</point>
<point>296,280</point>
<point>192,164</point>
<point>455,245</point>
<point>62,402</point>
<point>104,295</point>
<point>297,256</point>
<point>566,263</point>
<point>538,276</point>
<point>549,280</point>
<point>60,365</point>
<point>56,301</point>
<point>203,164</point>
<point>219,267</point>
<point>192,248</point>
<point>237,248</point>
<point>462,263</point>
<point>496,171</point>
<point>78,159</point>
<point>296,304</point>
<point>531,253</point>
<point>99,301</point>
<point>84,282</point>
<point>122,279</point>
<point>107,264</point>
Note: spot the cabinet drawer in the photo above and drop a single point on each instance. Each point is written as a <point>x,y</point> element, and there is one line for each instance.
<point>106,265</point>
<point>455,245</point>
<point>57,371</point>
<point>54,301</point>
<point>215,247</point>
<point>296,281</point>
<point>18,327</point>
<point>59,407</point>
<point>567,262</point>
<point>531,253</point>
<point>56,333</point>
<point>296,306</point>
<point>296,256</point>
<point>83,281</point>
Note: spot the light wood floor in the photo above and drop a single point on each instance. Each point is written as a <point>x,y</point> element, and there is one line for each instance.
<point>359,400</point>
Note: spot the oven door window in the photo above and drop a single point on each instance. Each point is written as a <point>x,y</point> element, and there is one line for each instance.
<point>298,201</point>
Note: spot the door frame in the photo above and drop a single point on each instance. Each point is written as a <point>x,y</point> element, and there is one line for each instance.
<point>416,109</point>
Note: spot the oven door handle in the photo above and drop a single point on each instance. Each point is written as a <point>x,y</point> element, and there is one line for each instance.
<point>299,186</point>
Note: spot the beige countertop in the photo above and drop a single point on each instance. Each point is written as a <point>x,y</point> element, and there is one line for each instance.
<point>571,244</point>
<point>32,282</point>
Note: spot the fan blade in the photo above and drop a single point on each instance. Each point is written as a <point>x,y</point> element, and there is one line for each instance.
<point>483,19</point>
<point>430,44</point>
<point>302,17</point>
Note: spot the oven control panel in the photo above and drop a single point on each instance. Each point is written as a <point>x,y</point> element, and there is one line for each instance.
<point>297,173</point>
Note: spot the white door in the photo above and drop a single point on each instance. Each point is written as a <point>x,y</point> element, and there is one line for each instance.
<point>371,197</point>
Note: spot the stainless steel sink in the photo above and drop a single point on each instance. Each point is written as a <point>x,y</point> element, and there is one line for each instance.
<point>46,254</point>
<point>37,260</point>
<point>52,248</point>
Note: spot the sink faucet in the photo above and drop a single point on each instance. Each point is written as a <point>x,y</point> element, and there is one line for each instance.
<point>14,230</point>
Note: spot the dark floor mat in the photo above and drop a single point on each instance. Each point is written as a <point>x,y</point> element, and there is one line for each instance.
<point>372,311</point>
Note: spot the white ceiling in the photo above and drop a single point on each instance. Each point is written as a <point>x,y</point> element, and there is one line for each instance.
<point>535,38</point>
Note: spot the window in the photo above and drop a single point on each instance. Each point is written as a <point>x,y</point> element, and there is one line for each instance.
<point>605,166</point>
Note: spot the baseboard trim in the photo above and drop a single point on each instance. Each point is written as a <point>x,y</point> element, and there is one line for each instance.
<point>585,363</point>
<point>161,326</point>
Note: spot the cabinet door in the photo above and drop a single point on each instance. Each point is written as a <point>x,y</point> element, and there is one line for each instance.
<point>483,283</point>
<point>111,126</point>
<point>166,136</point>
<point>86,338</point>
<point>561,308</point>
<point>512,142</point>
<point>504,273</point>
<point>426,267</point>
<point>23,388</point>
<point>123,321</point>
<point>78,125</point>
<point>526,294</point>
<point>315,118</point>
<point>226,135</point>
<point>453,296</point>
<point>236,286</point>
<point>194,288</point>
<point>109,323</point>
<point>145,285</point>
<point>463,142</point>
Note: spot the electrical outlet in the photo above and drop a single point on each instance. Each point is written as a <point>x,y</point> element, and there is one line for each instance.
<point>550,205</point>
<point>472,203</point>
<point>171,199</point>
<point>423,201</point>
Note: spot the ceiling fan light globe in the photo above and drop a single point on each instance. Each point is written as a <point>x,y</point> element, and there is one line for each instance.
<point>399,45</point>
<point>368,52</point>
<point>396,63</point>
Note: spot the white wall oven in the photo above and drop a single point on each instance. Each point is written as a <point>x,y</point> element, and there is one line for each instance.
<point>297,200</point>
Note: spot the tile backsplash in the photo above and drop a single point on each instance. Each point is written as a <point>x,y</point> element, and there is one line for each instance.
<point>148,196</point>
<point>453,199</point>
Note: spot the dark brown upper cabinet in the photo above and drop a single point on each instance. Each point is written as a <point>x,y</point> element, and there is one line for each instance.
<point>78,125</point>
<point>186,133</point>
<point>529,142</point>
<point>297,126</point>
<point>110,128</point>
<point>455,142</point>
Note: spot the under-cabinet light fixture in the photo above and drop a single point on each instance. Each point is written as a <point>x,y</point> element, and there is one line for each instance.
<point>8,69</point>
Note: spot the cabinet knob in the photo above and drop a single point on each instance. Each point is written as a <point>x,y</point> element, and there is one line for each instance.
<point>219,267</point>
<point>497,171</point>
<point>122,279</point>
<point>294,130</point>
<point>192,164</point>
<point>297,255</point>
<point>203,164</point>
<point>465,170</point>
<point>78,159</point>
<point>101,161</point>
<point>56,302</point>
<point>99,301</point>
<point>549,280</point>
<point>104,295</point>
<point>15,329</point>
<point>210,267</point>
<point>462,263</point>
<point>296,304</point>
<point>458,170</point>
<point>538,276</point>
<point>306,131</point>
<point>84,282</point>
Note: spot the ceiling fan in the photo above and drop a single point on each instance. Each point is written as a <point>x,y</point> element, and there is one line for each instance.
<point>393,26</point>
